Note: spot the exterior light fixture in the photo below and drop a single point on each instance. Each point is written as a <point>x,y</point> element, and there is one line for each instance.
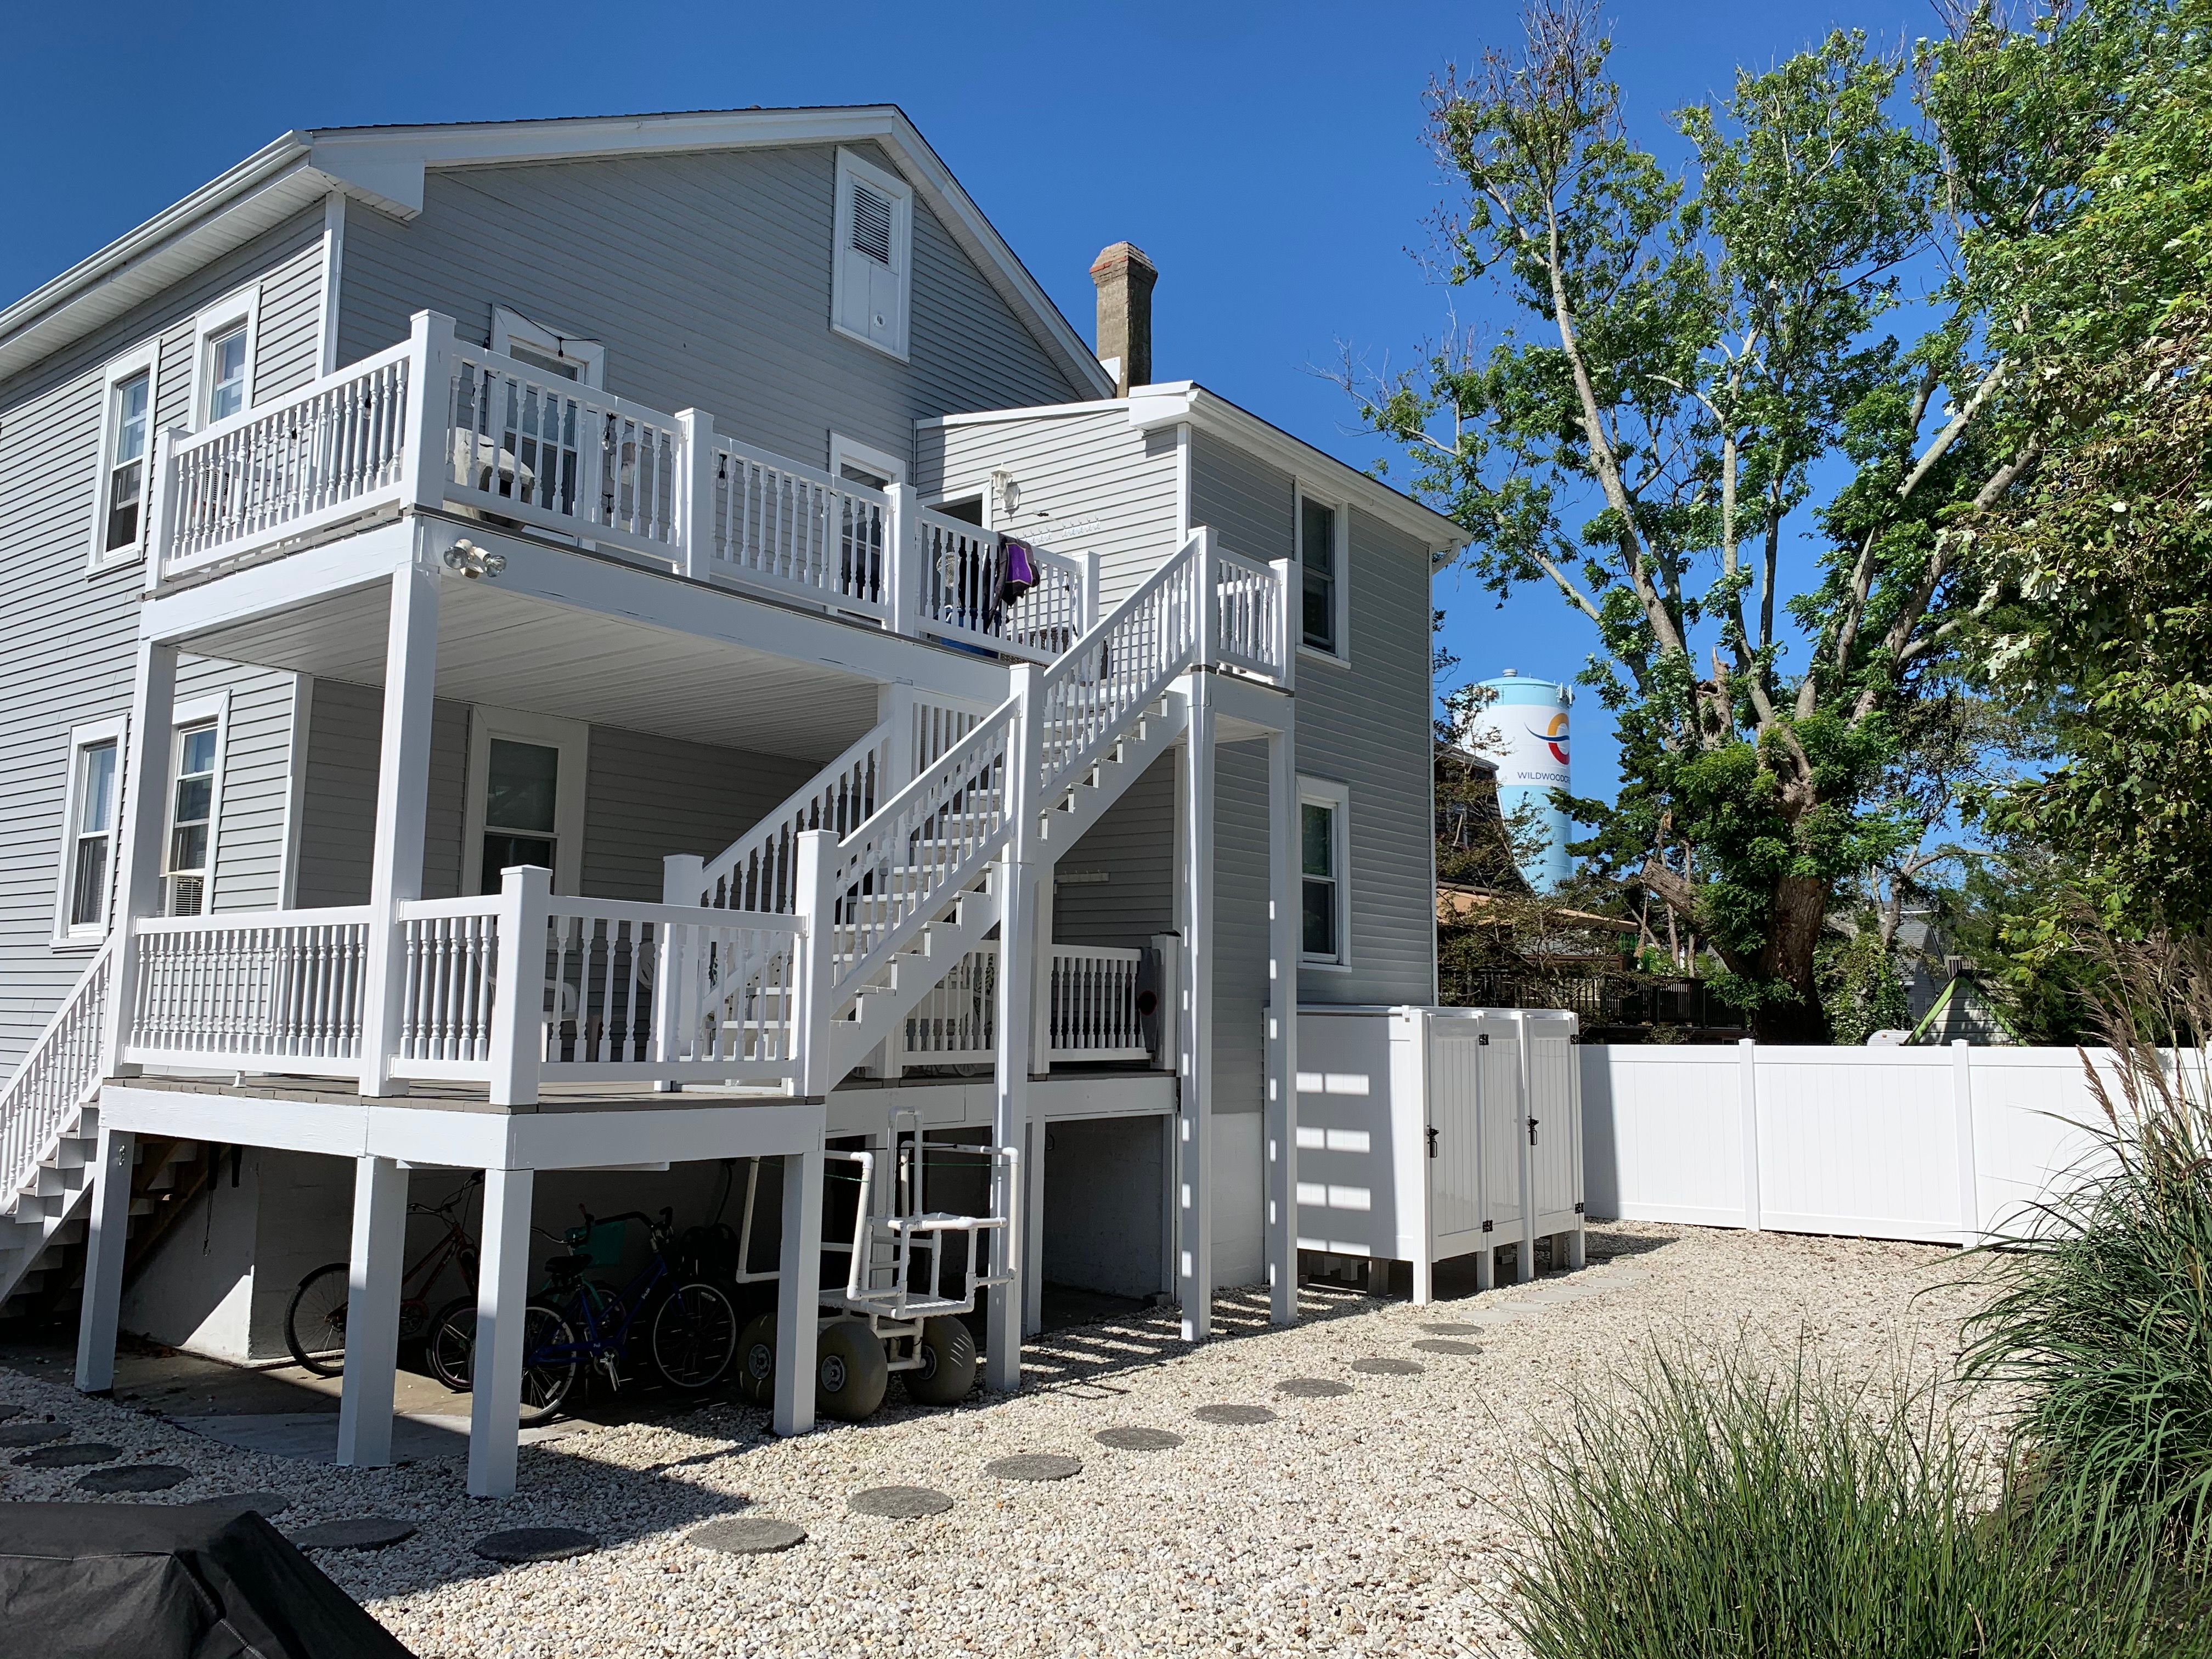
<point>472,560</point>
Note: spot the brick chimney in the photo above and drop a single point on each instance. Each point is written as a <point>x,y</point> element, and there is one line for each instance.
<point>1125,278</point>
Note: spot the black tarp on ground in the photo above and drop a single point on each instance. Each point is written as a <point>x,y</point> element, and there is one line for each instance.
<point>169,1581</point>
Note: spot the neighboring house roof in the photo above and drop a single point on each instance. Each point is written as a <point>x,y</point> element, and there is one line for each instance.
<point>1462,902</point>
<point>1177,403</point>
<point>383,167</point>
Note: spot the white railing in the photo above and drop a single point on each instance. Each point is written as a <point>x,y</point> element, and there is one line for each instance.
<point>533,445</point>
<point>956,1024</point>
<point>279,991</point>
<point>451,948</point>
<point>755,872</point>
<point>55,1078</point>
<point>1251,613</point>
<point>326,453</point>
<point>772,523</point>
<point>963,578</point>
<point>1096,1013</point>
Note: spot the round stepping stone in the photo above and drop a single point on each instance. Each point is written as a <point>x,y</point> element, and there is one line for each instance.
<point>1453,1330</point>
<point>364,1532</point>
<point>31,1434</point>
<point>748,1535</point>
<point>899,1503</point>
<point>1381,1367</point>
<point>524,1544</point>
<point>1033,1467</point>
<point>1312,1388</point>
<point>70,1457</point>
<point>1445,1347</point>
<point>1243,1417</point>
<point>256,1503</point>
<point>135,1477</point>
<point>1131,1438</point>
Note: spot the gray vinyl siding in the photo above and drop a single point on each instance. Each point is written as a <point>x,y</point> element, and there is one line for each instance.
<point>1133,846</point>
<point>1240,923</point>
<point>72,633</point>
<point>1090,484</point>
<point>650,796</point>
<point>288,342</point>
<point>338,807</point>
<point>707,278</point>
<point>1364,725</point>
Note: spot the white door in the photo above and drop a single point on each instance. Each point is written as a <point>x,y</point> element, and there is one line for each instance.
<point>1454,1145</point>
<point>1551,1063</point>
<point>1502,1129</point>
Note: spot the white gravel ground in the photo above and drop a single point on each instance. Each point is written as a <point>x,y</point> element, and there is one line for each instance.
<point>1364,1524</point>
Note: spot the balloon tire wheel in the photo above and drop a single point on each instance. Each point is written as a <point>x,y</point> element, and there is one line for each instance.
<point>850,1371</point>
<point>948,1368</point>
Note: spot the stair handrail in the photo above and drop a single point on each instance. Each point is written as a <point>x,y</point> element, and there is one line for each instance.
<point>58,1073</point>
<point>754,871</point>
<point>1086,699</point>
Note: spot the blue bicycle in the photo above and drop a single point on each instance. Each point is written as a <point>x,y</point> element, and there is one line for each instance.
<point>690,1327</point>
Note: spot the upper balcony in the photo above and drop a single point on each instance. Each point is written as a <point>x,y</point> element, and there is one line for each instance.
<point>433,423</point>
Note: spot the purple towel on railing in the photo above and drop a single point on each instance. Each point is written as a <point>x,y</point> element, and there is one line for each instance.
<point>1018,574</point>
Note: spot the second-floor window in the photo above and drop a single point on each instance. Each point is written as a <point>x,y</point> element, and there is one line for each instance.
<point>191,821</point>
<point>131,414</point>
<point>225,374</point>
<point>1320,562</point>
<point>89,857</point>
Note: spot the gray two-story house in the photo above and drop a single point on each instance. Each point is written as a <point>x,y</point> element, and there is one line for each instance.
<point>643,660</point>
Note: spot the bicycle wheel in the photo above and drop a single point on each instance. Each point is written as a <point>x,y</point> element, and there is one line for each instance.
<point>695,1335</point>
<point>547,1377</point>
<point>451,1349</point>
<point>315,1323</point>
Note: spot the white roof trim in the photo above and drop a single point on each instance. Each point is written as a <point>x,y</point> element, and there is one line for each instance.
<point>385,166</point>
<point>1175,403</point>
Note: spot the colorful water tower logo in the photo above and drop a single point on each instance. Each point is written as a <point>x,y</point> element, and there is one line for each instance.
<point>1524,732</point>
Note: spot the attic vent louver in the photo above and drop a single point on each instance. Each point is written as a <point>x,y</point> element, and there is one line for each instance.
<point>871,224</point>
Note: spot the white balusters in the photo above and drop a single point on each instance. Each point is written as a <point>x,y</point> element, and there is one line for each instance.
<point>62,1067</point>
<point>279,991</point>
<point>789,528</point>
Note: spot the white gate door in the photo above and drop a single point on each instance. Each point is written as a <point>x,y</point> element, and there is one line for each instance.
<point>1455,1149</point>
<point>1551,1063</point>
<point>1502,1129</point>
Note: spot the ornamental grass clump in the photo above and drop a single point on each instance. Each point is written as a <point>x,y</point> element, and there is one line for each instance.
<point>2102,1322</point>
<point>1718,1512</point>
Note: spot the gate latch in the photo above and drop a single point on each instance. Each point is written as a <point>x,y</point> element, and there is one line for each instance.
<point>1482,1040</point>
<point>1432,1141</point>
<point>1532,1131</point>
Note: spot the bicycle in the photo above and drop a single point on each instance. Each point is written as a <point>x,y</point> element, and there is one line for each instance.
<point>315,1322</point>
<point>691,1338</point>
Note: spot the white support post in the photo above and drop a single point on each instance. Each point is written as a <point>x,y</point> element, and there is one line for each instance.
<point>903,561</point>
<point>1280,1149</point>
<point>503,1293</point>
<point>161,504</point>
<point>1524,1144</point>
<point>1970,1195</point>
<point>1748,1085</point>
<point>109,1225</point>
<point>695,484</point>
<point>815,899</point>
<point>1169,1056</point>
<point>430,394</point>
<point>372,1350</point>
<point>798,1292</point>
<point>143,826</point>
<point>1195,1090</point>
<point>1040,986</point>
<point>1208,596</point>
<point>1289,592</point>
<point>1010,1072</point>
<point>402,789</point>
<point>676,1002</point>
<point>518,1009</point>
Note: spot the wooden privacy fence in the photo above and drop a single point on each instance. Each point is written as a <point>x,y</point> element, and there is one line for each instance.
<point>1941,1144</point>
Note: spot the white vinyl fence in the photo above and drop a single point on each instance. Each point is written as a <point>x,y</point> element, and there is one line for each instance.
<point>1944,1145</point>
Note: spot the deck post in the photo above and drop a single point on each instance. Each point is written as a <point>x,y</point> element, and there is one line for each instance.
<point>902,558</point>
<point>1015,988</point>
<point>502,1294</point>
<point>429,390</point>
<point>372,1356</point>
<point>798,1292</point>
<point>518,1017</point>
<point>143,825</point>
<point>814,898</point>
<point>1280,1129</point>
<point>694,489</point>
<point>109,1226</point>
<point>403,788</point>
<point>1195,1090</point>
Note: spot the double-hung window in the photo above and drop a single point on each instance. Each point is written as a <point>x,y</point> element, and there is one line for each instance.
<point>522,790</point>
<point>225,374</point>
<point>1320,567</point>
<point>525,797</point>
<point>223,357</point>
<point>871,277</point>
<point>191,820</point>
<point>1324,921</point>
<point>88,828</point>
<point>122,493</point>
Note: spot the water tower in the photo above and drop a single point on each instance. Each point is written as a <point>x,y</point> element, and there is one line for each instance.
<point>1524,731</point>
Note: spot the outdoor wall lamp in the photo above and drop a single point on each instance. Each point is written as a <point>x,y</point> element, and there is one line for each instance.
<point>472,560</point>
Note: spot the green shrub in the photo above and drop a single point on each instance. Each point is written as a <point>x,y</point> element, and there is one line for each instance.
<point>1719,1514</point>
<point>2103,1319</point>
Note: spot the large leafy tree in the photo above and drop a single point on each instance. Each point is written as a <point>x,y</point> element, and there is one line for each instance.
<point>1708,438</point>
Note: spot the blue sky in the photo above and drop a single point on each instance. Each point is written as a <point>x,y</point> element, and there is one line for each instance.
<point>1268,157</point>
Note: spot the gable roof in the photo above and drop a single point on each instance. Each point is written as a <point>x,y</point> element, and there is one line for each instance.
<point>383,167</point>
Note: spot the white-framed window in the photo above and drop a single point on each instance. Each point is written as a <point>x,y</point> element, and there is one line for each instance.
<point>87,879</point>
<point>548,349</point>
<point>871,277</point>
<point>127,442</point>
<point>195,806</point>
<point>525,797</point>
<point>223,357</point>
<point>1324,873</point>
<point>856,463</point>
<point>1325,610</point>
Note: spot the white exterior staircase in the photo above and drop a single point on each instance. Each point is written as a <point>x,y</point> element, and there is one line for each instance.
<point>49,1131</point>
